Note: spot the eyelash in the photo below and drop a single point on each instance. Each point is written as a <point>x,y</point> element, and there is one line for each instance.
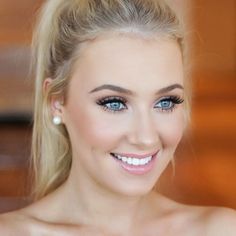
<point>174,100</point>
<point>109,100</point>
<point>104,102</point>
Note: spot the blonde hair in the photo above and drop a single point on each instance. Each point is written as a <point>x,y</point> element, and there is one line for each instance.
<point>62,28</point>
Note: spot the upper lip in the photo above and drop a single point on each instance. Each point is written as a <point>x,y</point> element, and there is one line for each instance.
<point>134,155</point>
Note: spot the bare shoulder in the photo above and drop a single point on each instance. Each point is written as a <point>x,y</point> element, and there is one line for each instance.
<point>211,221</point>
<point>14,223</point>
<point>221,221</point>
<point>22,224</point>
<point>19,223</point>
<point>197,220</point>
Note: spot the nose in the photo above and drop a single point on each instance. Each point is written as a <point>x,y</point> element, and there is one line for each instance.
<point>143,132</point>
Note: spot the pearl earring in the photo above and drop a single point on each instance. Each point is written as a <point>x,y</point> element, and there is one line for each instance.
<point>57,120</point>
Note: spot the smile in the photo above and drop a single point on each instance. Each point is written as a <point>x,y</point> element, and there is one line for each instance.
<point>134,163</point>
<point>132,160</point>
<point>138,160</point>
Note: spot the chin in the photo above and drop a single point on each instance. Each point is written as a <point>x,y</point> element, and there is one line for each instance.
<point>135,187</point>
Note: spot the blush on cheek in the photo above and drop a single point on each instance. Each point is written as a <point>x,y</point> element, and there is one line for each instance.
<point>172,132</point>
<point>100,135</point>
<point>94,131</point>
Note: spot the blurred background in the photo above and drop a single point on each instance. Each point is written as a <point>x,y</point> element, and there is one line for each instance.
<point>205,171</point>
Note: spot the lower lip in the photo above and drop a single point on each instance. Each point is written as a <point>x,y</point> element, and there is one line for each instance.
<point>138,170</point>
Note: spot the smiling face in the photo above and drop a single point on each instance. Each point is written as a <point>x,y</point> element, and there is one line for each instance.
<point>124,112</point>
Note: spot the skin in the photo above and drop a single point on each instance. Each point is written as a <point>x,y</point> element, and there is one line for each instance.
<point>100,197</point>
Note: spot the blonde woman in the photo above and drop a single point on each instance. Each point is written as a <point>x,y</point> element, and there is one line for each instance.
<point>111,106</point>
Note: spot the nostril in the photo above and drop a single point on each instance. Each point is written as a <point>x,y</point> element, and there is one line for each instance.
<point>144,143</point>
<point>143,133</point>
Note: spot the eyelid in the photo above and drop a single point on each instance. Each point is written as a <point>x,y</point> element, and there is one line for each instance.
<point>111,98</point>
<point>175,100</point>
<point>103,102</point>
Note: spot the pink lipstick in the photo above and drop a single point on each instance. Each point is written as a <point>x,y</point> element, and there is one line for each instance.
<point>134,163</point>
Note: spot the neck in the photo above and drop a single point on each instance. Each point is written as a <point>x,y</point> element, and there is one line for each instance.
<point>96,206</point>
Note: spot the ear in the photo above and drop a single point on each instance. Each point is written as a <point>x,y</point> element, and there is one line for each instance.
<point>56,102</point>
<point>46,84</point>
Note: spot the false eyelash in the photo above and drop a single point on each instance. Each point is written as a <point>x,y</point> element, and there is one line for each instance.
<point>102,102</point>
<point>106,100</point>
<point>174,99</point>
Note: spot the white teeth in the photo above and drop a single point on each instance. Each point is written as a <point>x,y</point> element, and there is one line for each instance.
<point>142,161</point>
<point>129,161</point>
<point>134,161</point>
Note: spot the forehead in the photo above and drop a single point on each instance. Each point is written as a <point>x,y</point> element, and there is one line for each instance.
<point>127,61</point>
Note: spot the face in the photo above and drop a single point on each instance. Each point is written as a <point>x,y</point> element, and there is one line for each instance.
<point>124,112</point>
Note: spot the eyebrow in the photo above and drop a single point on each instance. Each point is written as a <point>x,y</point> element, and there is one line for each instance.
<point>129,92</point>
<point>169,88</point>
<point>113,88</point>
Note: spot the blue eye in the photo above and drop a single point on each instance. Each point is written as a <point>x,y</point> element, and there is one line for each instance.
<point>164,104</point>
<point>114,104</point>
<point>168,104</point>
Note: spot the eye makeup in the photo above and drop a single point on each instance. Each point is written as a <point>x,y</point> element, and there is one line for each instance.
<point>119,104</point>
<point>168,104</point>
<point>113,103</point>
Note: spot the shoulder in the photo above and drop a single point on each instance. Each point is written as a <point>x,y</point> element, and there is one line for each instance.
<point>209,221</point>
<point>221,221</point>
<point>198,220</point>
<point>212,221</point>
<point>14,223</point>
<point>21,224</point>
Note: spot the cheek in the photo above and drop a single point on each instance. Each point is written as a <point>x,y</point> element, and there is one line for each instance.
<point>92,129</point>
<point>171,131</point>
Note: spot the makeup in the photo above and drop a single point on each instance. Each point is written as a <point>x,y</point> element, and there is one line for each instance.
<point>136,164</point>
<point>124,99</point>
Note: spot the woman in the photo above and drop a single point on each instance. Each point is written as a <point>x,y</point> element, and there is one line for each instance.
<point>111,107</point>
